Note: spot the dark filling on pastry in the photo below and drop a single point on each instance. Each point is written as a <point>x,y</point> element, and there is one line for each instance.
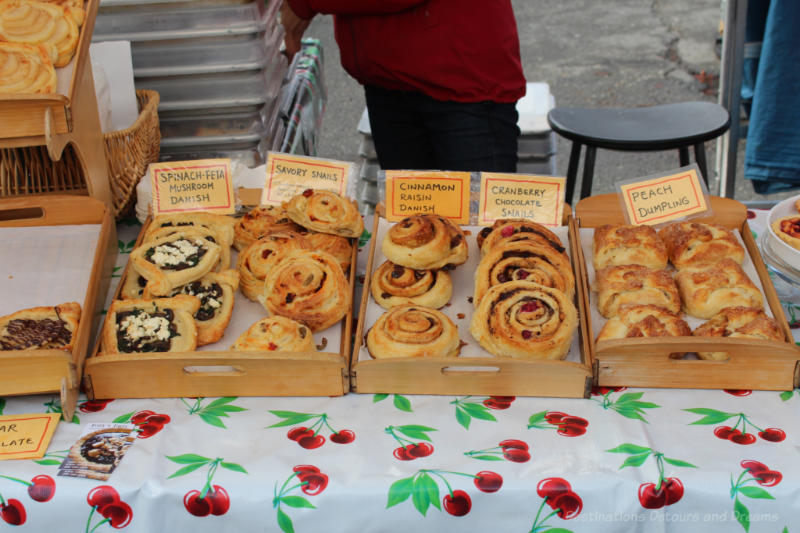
<point>142,282</point>
<point>189,262</point>
<point>523,255</point>
<point>526,229</point>
<point>103,449</point>
<point>289,297</point>
<point>398,271</point>
<point>484,233</point>
<point>197,289</point>
<point>455,240</point>
<point>23,333</point>
<point>170,224</point>
<point>419,275</point>
<point>321,282</point>
<point>152,343</point>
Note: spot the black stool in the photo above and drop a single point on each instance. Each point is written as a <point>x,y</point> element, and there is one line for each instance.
<point>641,129</point>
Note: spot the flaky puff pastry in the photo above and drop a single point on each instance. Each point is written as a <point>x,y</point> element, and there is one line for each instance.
<point>709,288</point>
<point>261,221</point>
<point>628,245</point>
<point>309,287</point>
<point>40,328</point>
<point>425,242</point>
<point>208,234</point>
<point>693,243</point>
<point>221,225</point>
<point>159,325</point>
<point>26,69</point>
<point>276,334</point>
<point>636,321</point>
<point>743,322</point>
<point>174,260</point>
<point>788,230</point>
<point>412,330</point>
<point>256,260</point>
<point>216,293</point>
<point>392,285</point>
<point>54,26</point>
<point>523,260</point>
<point>514,229</point>
<point>339,247</point>
<point>525,320</point>
<point>325,212</point>
<point>637,285</point>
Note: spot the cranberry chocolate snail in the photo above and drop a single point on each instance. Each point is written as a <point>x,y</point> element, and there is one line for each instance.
<point>276,334</point>
<point>425,242</point>
<point>392,285</point>
<point>40,328</point>
<point>506,230</point>
<point>525,320</point>
<point>523,260</point>
<point>412,330</point>
<point>742,322</point>
<point>628,245</point>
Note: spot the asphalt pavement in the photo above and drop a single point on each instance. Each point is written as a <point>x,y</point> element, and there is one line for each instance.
<point>618,53</point>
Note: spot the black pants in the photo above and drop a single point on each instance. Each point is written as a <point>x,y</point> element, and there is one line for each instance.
<point>414,132</point>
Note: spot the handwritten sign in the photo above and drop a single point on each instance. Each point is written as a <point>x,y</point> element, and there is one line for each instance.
<point>410,192</point>
<point>289,175</point>
<point>536,198</point>
<point>201,185</point>
<point>26,436</point>
<point>665,198</point>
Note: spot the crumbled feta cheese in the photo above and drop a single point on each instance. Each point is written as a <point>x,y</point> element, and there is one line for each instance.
<point>213,303</point>
<point>143,325</point>
<point>174,253</point>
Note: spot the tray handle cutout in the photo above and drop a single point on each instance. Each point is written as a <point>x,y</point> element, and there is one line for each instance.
<point>469,370</point>
<point>206,371</point>
<point>21,213</point>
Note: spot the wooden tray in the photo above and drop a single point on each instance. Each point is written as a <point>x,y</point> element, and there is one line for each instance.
<point>47,371</point>
<point>488,375</point>
<point>753,364</point>
<point>222,372</point>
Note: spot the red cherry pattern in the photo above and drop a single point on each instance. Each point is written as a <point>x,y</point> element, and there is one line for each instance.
<point>739,392</point>
<point>568,425</point>
<point>458,503</point>
<point>488,481</point>
<point>310,442</point>
<point>195,504</point>
<point>118,513</point>
<point>772,434</point>
<point>513,444</point>
<point>670,491</point>
<point>344,436</point>
<point>13,512</point>
<point>219,499</point>
<point>762,473</point>
<point>309,439</point>
<point>149,423</point>
<point>516,455</point>
<point>42,488</point>
<point>313,482</point>
<point>568,505</point>
<point>499,402</point>
<point>602,391</point>
<point>101,496</point>
<point>93,406</point>
<point>552,487</point>
<point>105,499</point>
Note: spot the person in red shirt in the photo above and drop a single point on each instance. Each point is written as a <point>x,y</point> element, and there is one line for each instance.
<point>441,77</point>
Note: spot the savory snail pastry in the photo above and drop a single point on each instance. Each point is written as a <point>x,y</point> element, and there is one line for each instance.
<point>276,334</point>
<point>325,212</point>
<point>261,221</point>
<point>709,288</point>
<point>425,242</point>
<point>392,285</point>
<point>26,69</point>
<point>523,260</point>
<point>339,247</point>
<point>505,230</point>
<point>628,245</point>
<point>743,322</point>
<point>257,259</point>
<point>412,330</point>
<point>788,230</point>
<point>633,321</point>
<point>40,328</point>
<point>54,26</point>
<point>525,320</point>
<point>216,294</point>
<point>160,325</point>
<point>309,287</point>
<point>692,243</point>
<point>635,284</point>
<point>208,234</point>
<point>174,260</point>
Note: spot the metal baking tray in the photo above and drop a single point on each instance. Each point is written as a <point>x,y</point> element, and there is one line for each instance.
<point>136,23</point>
<point>223,129</point>
<point>250,155</point>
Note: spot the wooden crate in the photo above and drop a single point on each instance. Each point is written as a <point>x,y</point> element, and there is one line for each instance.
<point>222,372</point>
<point>47,371</point>
<point>645,362</point>
<point>487,375</point>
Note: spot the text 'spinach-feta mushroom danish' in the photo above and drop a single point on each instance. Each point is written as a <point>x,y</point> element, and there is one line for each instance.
<point>525,320</point>
<point>412,330</point>
<point>392,285</point>
<point>742,322</point>
<point>425,242</point>
<point>40,328</point>
<point>276,334</point>
<point>326,212</point>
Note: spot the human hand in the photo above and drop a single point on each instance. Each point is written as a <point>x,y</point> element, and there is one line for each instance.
<point>294,27</point>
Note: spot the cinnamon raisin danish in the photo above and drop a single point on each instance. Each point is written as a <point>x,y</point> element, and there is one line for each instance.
<point>392,285</point>
<point>412,330</point>
<point>425,242</point>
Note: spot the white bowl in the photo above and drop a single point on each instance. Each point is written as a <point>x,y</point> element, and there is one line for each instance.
<point>790,255</point>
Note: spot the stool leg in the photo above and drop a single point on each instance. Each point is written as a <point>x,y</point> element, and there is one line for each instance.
<point>700,157</point>
<point>683,153</point>
<point>572,171</point>
<point>588,171</point>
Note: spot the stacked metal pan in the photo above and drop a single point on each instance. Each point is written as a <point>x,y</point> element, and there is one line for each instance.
<point>217,66</point>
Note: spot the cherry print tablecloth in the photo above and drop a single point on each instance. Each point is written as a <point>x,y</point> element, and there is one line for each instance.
<point>623,460</point>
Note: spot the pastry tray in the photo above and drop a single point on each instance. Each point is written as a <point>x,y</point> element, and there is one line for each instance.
<point>57,249</point>
<point>474,371</point>
<point>215,370</point>
<point>645,362</point>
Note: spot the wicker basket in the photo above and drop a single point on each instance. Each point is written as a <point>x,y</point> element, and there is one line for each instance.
<point>29,170</point>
